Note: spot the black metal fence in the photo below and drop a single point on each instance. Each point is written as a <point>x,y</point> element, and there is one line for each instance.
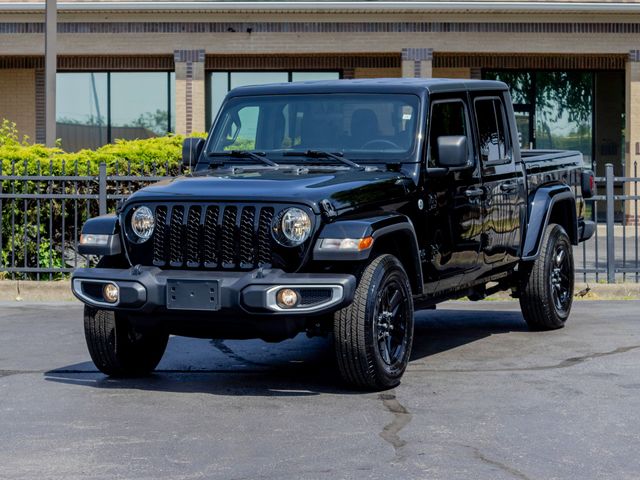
<point>43,213</point>
<point>612,254</point>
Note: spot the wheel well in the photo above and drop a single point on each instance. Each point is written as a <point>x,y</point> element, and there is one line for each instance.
<point>563,213</point>
<point>401,245</point>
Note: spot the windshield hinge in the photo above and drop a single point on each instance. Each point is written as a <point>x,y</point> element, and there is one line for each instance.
<point>328,210</point>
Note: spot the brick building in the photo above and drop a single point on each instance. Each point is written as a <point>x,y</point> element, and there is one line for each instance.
<point>136,69</point>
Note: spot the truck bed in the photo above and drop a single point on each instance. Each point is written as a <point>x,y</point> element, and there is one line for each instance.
<point>554,166</point>
<point>537,161</point>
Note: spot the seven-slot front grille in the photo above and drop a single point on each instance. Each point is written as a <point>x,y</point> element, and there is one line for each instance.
<point>212,236</point>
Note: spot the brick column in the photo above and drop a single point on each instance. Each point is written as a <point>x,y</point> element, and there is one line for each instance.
<point>632,129</point>
<point>417,62</point>
<point>190,91</point>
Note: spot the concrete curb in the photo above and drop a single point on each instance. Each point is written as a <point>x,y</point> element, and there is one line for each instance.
<point>33,291</point>
<point>57,291</point>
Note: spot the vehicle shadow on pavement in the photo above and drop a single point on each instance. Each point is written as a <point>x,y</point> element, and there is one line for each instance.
<point>297,367</point>
<point>441,330</point>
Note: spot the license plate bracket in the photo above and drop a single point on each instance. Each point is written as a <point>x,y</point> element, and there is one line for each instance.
<point>193,295</point>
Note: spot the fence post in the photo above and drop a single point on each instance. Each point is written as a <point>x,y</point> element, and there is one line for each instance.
<point>102,189</point>
<point>611,246</point>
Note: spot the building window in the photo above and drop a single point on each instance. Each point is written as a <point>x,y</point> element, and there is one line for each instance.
<point>96,108</point>
<point>554,109</point>
<point>219,84</point>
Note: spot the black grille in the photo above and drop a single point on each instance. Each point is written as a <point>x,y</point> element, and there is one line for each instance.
<point>212,236</point>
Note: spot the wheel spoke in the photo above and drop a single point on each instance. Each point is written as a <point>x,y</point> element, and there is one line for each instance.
<point>388,349</point>
<point>395,300</point>
<point>385,351</point>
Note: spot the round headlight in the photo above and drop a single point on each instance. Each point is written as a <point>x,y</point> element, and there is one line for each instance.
<point>294,227</point>
<point>142,223</point>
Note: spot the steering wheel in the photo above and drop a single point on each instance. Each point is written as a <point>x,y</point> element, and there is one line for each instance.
<point>389,143</point>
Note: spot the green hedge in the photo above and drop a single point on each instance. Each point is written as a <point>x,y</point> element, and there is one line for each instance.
<point>140,155</point>
<point>21,227</point>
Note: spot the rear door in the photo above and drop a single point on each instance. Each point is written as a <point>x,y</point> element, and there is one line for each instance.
<point>452,201</point>
<point>502,179</point>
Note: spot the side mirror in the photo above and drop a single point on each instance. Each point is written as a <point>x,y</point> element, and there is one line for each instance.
<point>191,150</point>
<point>453,151</point>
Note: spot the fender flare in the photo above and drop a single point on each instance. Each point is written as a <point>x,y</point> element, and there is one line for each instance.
<point>540,207</point>
<point>103,225</point>
<point>378,227</point>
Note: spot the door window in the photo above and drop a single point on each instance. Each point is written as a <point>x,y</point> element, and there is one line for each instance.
<point>492,134</point>
<point>447,118</point>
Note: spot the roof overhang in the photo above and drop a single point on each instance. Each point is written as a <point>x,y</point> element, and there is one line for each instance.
<point>333,6</point>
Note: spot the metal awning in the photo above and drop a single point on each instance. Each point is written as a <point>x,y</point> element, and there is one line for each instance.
<point>347,6</point>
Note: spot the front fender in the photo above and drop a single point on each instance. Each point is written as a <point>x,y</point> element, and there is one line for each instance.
<point>379,227</point>
<point>541,205</point>
<point>107,225</point>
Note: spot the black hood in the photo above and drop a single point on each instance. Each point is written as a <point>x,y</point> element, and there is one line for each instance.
<point>345,188</point>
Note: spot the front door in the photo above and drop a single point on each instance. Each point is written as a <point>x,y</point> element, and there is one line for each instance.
<point>453,201</point>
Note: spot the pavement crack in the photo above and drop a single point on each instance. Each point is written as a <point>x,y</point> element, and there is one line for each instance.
<point>497,464</point>
<point>401,418</point>
<point>225,349</point>
<point>569,362</point>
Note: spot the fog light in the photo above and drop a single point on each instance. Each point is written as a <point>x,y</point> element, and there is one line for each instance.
<point>110,293</point>
<point>287,298</point>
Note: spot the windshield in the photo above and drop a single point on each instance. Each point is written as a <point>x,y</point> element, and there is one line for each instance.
<point>376,127</point>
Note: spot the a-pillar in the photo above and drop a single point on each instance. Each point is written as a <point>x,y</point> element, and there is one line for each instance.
<point>632,132</point>
<point>417,62</point>
<point>190,91</point>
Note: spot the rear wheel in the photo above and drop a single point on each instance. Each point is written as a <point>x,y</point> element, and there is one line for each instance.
<point>373,336</point>
<point>546,292</point>
<point>117,348</point>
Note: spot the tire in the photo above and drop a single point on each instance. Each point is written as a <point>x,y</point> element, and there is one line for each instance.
<point>373,336</point>
<point>117,349</point>
<point>546,291</point>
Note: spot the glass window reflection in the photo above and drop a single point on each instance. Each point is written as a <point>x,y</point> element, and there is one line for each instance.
<point>219,83</point>
<point>81,110</point>
<point>95,108</point>
<point>560,104</point>
<point>139,105</point>
<point>308,76</point>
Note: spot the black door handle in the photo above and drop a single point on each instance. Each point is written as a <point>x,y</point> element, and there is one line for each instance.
<point>509,186</point>
<point>474,192</point>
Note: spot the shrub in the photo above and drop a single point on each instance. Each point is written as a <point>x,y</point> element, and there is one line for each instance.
<point>34,229</point>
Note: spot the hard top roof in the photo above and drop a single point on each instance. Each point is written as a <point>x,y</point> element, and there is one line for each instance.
<point>418,86</point>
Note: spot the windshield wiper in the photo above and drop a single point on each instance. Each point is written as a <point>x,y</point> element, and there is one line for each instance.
<point>259,156</point>
<point>323,154</point>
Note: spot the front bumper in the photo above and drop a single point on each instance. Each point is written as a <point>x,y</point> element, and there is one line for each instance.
<point>145,289</point>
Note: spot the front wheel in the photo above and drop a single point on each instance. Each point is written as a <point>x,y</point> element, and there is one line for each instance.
<point>373,336</point>
<point>546,292</point>
<point>117,348</point>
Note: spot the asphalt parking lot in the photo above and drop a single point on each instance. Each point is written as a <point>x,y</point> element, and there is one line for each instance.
<point>483,398</point>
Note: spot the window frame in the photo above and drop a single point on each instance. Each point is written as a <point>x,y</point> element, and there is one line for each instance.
<point>470,154</point>
<point>508,158</point>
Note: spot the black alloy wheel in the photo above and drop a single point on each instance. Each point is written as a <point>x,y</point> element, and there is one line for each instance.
<point>560,279</point>
<point>392,321</point>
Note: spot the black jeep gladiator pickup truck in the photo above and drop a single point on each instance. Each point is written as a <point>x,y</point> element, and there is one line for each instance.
<point>336,208</point>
